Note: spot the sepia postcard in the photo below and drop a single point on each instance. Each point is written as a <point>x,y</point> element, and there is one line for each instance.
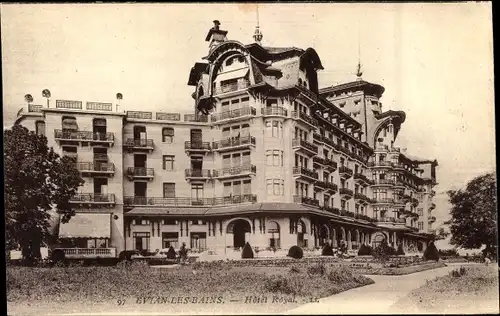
<point>249,158</point>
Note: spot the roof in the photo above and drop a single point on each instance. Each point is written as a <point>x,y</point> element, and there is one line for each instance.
<point>419,160</point>
<point>360,84</point>
<point>86,226</point>
<point>195,73</point>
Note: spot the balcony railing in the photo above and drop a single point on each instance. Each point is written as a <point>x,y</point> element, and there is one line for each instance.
<point>168,116</point>
<point>346,213</point>
<point>234,171</point>
<point>233,114</point>
<point>139,143</point>
<point>101,156</point>
<point>391,220</point>
<point>332,210</point>
<point>236,86</point>
<point>301,143</point>
<point>99,167</point>
<point>98,106</point>
<point>330,186</point>
<point>345,171</point>
<point>195,118</point>
<point>233,142</point>
<point>88,253</point>
<point>345,191</point>
<point>304,117</point>
<point>83,136</point>
<point>362,177</point>
<point>34,108</point>
<point>362,197</point>
<point>198,173</point>
<point>140,172</point>
<point>274,110</point>
<point>330,164</point>
<point>432,219</point>
<point>388,182</point>
<point>92,198</point>
<point>187,201</point>
<point>67,104</point>
<point>301,171</point>
<point>319,160</point>
<point>140,115</point>
<point>380,164</point>
<point>363,217</point>
<point>305,200</point>
<point>197,146</point>
<point>381,200</point>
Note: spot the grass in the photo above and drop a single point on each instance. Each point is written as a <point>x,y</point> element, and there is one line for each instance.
<point>401,270</point>
<point>63,287</point>
<point>465,289</point>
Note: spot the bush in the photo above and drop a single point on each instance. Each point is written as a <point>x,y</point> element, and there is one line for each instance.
<point>295,252</point>
<point>383,251</point>
<point>317,269</point>
<point>458,273</point>
<point>279,284</point>
<point>327,250</point>
<point>247,252</point>
<point>365,250</point>
<point>294,269</point>
<point>431,252</point>
<point>127,255</point>
<point>171,254</point>
<point>340,275</point>
<point>400,251</point>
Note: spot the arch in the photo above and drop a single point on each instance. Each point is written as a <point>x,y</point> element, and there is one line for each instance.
<point>301,232</point>
<point>324,235</point>
<point>377,239</point>
<point>390,117</point>
<point>273,231</point>
<point>239,228</point>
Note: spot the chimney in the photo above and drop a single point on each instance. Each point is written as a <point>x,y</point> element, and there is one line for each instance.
<point>215,35</point>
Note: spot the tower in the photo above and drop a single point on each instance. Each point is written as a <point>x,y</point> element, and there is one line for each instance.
<point>215,35</point>
<point>257,36</point>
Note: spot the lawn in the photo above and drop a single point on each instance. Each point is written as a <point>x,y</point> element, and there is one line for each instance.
<point>182,289</point>
<point>467,289</point>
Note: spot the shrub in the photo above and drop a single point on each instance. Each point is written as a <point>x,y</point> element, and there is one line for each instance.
<point>171,254</point>
<point>458,273</point>
<point>400,251</point>
<point>247,252</point>
<point>295,252</point>
<point>431,252</point>
<point>340,275</point>
<point>364,250</point>
<point>327,250</point>
<point>382,251</point>
<point>317,269</point>
<point>127,255</point>
<point>294,269</point>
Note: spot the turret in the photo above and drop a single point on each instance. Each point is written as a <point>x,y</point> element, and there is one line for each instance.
<point>215,35</point>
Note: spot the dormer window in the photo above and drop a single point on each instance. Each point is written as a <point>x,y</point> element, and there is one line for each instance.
<point>341,104</point>
<point>229,62</point>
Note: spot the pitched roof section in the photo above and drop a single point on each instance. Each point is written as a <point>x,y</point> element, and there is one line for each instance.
<point>358,84</point>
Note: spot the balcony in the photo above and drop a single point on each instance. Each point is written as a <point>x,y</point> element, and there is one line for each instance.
<point>78,137</point>
<point>414,201</point>
<point>141,115</point>
<point>160,116</point>
<point>345,172</point>
<point>390,220</point>
<point>305,200</point>
<point>236,171</point>
<point>363,217</point>
<point>197,147</point>
<point>198,174</point>
<point>67,104</point>
<point>362,178</point>
<point>195,118</point>
<point>131,201</point>
<point>93,199</point>
<point>88,253</point>
<point>383,182</point>
<point>363,198</point>
<point>432,206</point>
<point>331,187</point>
<point>398,201</point>
<point>332,210</point>
<point>346,192</point>
<point>330,165</point>
<point>380,200</point>
<point>304,117</point>
<point>139,145</point>
<point>318,161</point>
<point>432,219</point>
<point>140,173</point>
<point>234,143</point>
<point>98,106</point>
<point>381,164</point>
<point>304,146</point>
<point>34,108</point>
<point>274,111</point>
<point>347,213</point>
<point>305,173</point>
<point>232,87</point>
<point>96,168</point>
<point>234,115</point>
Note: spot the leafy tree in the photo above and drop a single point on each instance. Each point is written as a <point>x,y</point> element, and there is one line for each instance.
<point>46,94</point>
<point>247,252</point>
<point>364,250</point>
<point>383,251</point>
<point>327,250</point>
<point>28,98</point>
<point>431,252</point>
<point>37,180</point>
<point>474,214</point>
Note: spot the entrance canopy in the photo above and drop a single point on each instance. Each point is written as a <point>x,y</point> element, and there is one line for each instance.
<point>86,226</point>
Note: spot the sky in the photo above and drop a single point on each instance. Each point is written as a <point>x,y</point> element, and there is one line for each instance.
<point>435,61</point>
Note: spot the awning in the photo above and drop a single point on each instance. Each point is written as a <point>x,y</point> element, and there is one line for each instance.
<point>86,226</point>
<point>234,74</point>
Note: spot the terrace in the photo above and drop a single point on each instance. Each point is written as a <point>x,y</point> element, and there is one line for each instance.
<point>188,201</point>
<point>79,137</point>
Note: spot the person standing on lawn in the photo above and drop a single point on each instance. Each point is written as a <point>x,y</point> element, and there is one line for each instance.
<point>183,253</point>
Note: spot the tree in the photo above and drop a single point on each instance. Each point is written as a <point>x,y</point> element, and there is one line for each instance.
<point>46,94</point>
<point>247,252</point>
<point>474,214</point>
<point>37,180</point>
<point>431,252</point>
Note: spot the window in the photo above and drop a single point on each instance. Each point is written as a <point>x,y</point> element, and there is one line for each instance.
<point>40,128</point>
<point>341,104</point>
<point>229,61</point>
<point>275,187</point>
<point>197,191</point>
<point>168,135</point>
<point>198,222</point>
<point>170,239</point>
<point>343,204</point>
<point>227,189</point>
<point>269,186</point>
<point>274,157</point>
<point>168,162</point>
<point>141,222</point>
<point>247,187</point>
<point>141,240</point>
<point>420,225</point>
<point>274,129</point>
<point>169,222</point>
<point>168,190</point>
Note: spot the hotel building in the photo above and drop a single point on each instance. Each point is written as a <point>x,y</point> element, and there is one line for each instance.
<point>265,157</point>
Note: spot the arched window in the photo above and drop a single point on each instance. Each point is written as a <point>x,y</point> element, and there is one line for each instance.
<point>300,81</point>
<point>168,134</point>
